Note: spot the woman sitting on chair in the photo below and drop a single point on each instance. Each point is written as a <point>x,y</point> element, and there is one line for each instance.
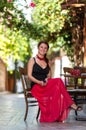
<point>51,94</point>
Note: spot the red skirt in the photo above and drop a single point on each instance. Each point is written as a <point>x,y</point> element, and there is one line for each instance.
<point>54,100</point>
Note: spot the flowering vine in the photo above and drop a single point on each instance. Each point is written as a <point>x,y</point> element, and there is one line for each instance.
<point>9,0</point>
<point>32,4</point>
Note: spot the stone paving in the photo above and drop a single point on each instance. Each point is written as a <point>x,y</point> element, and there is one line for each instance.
<point>12,108</point>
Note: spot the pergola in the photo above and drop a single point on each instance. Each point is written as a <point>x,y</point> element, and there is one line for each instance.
<point>78,11</point>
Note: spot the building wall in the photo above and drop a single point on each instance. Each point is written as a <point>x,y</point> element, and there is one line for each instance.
<point>3,76</point>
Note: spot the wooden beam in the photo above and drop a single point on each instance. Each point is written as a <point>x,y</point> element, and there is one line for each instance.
<point>84,39</point>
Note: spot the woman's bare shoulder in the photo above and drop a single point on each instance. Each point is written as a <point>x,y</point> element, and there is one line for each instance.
<point>31,60</point>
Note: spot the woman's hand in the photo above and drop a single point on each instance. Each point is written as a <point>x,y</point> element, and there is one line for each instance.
<point>43,83</point>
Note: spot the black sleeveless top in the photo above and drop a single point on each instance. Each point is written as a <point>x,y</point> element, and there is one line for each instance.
<point>39,72</point>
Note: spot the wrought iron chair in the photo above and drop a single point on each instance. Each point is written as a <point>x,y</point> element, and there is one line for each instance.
<point>27,92</point>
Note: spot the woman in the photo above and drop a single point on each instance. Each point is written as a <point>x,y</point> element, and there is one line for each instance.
<point>54,101</point>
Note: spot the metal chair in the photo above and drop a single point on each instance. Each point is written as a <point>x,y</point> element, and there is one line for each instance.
<point>27,92</point>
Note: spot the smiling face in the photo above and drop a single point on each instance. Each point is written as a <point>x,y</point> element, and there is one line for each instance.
<point>43,48</point>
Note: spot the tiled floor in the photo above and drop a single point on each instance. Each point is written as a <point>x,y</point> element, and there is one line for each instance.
<point>12,108</point>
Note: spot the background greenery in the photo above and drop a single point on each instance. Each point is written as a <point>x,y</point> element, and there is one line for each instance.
<point>50,22</point>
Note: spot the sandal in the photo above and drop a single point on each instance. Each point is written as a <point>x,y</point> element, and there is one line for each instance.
<point>79,108</point>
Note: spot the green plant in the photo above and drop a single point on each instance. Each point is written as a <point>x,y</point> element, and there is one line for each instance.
<point>13,45</point>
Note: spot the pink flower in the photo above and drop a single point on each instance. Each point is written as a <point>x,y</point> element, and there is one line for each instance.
<point>9,0</point>
<point>32,4</point>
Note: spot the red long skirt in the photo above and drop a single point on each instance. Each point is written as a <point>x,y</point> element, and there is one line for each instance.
<point>54,100</point>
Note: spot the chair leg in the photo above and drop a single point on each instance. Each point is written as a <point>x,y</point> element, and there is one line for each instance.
<point>38,114</point>
<point>26,112</point>
<point>76,115</point>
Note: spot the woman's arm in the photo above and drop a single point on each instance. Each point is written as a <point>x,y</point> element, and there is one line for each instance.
<point>49,74</point>
<point>30,68</point>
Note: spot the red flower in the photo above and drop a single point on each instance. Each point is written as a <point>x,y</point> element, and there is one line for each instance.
<point>9,0</point>
<point>32,4</point>
<point>75,72</point>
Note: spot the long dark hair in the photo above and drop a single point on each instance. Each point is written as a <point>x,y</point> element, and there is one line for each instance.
<point>46,59</point>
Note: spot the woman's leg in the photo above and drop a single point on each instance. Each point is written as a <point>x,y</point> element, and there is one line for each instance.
<point>65,93</point>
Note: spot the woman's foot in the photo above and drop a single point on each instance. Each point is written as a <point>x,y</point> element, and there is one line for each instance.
<point>76,108</point>
<point>79,108</point>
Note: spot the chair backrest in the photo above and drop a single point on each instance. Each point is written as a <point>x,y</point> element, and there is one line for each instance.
<point>69,81</point>
<point>67,70</point>
<point>83,80</point>
<point>82,69</point>
<point>25,81</point>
